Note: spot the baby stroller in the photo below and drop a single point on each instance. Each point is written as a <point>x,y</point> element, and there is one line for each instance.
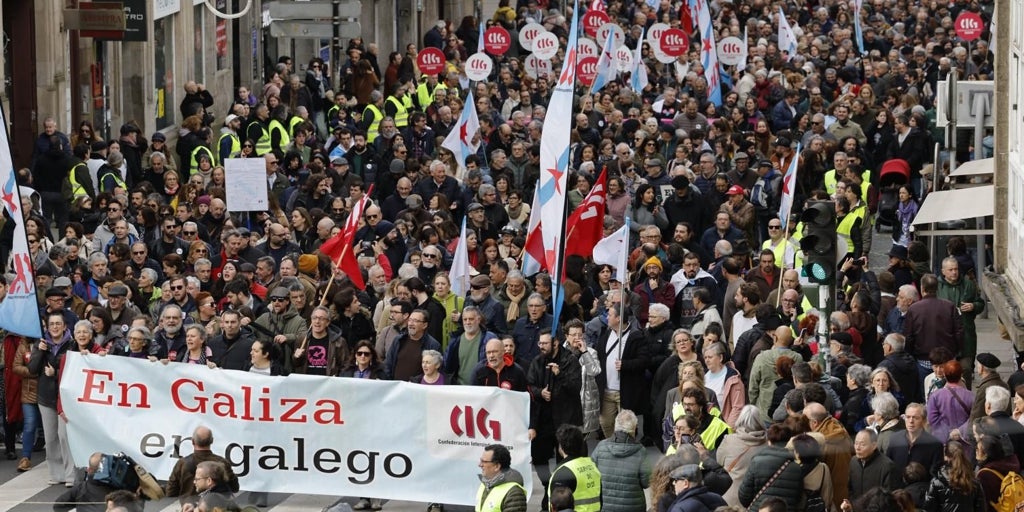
<point>895,172</point>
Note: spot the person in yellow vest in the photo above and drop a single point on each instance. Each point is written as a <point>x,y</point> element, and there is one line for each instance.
<point>859,207</point>
<point>228,144</point>
<point>426,90</point>
<point>501,486</point>
<point>711,428</point>
<point>394,106</point>
<point>279,138</point>
<point>301,116</point>
<point>785,252</point>
<point>577,472</point>
<point>848,227</point>
<point>372,116</point>
<point>259,131</point>
<point>79,182</point>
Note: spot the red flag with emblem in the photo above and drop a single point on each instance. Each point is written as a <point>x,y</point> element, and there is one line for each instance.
<point>339,248</point>
<point>585,226</point>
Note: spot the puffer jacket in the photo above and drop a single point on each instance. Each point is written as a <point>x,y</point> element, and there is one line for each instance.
<point>625,473</point>
<point>943,498</point>
<point>789,485</point>
<point>29,380</point>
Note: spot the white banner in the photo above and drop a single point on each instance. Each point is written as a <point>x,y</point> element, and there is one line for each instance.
<point>245,185</point>
<point>296,434</point>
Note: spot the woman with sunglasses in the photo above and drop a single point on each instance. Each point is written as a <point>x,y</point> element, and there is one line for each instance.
<point>364,363</point>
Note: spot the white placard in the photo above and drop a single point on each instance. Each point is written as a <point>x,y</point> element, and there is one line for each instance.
<point>545,45</point>
<point>730,51</point>
<point>587,48</point>
<point>528,33</point>
<point>479,66</point>
<point>245,185</point>
<point>536,67</point>
<point>162,8</point>
<point>624,59</point>
<point>296,434</point>
<point>618,38</point>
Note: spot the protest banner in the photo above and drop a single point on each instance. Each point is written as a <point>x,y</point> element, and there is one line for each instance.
<point>296,434</point>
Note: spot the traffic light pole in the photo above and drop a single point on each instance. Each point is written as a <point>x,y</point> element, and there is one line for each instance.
<point>824,306</point>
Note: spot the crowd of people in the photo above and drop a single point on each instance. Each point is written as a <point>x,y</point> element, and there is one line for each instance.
<point>708,352</point>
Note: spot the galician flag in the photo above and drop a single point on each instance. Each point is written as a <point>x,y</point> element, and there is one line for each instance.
<point>606,68</point>
<point>19,309</point>
<point>708,50</point>
<point>554,163</point>
<point>460,140</point>
<point>533,253</point>
<point>746,51</point>
<point>638,79</point>
<point>787,37</point>
<point>858,31</point>
<point>459,275</point>
<point>788,187</point>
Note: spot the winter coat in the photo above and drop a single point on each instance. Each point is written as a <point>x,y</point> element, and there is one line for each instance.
<point>836,454</point>
<point>877,471</point>
<point>565,405</point>
<point>735,453</point>
<point>337,354</point>
<point>290,324</point>
<point>788,485</point>
<point>942,497</point>
<point>903,368</point>
<point>233,355</point>
<point>763,376</point>
<point>734,397</point>
<point>633,387</point>
<point>46,392</point>
<point>697,499</point>
<point>29,380</point>
<point>589,394</point>
<point>625,473</point>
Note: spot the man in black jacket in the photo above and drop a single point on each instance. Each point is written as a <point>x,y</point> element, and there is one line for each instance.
<point>623,354</point>
<point>231,348</point>
<point>88,495</point>
<point>554,380</point>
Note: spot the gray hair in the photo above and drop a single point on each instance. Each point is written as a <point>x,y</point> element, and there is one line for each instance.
<point>885,405</point>
<point>148,272</point>
<point>997,397</point>
<point>193,280</point>
<point>626,421</point>
<point>840,320</point>
<point>202,261</point>
<point>910,292</point>
<point>407,270</point>
<point>434,356</point>
<point>896,341</point>
<point>485,189</point>
<point>723,247</point>
<point>892,381</point>
<point>58,251</point>
<point>860,374</point>
<point>157,154</point>
<point>141,330</point>
<point>115,159</point>
<point>85,324</point>
<point>198,328</point>
<point>514,274</point>
<point>749,419</point>
<point>376,96</point>
<point>659,309</point>
<point>97,257</point>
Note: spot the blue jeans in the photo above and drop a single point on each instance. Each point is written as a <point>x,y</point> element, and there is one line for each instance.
<point>28,433</point>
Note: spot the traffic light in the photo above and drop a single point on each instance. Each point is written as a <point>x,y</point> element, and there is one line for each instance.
<point>819,241</point>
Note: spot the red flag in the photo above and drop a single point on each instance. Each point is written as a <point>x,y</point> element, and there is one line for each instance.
<point>585,226</point>
<point>339,247</point>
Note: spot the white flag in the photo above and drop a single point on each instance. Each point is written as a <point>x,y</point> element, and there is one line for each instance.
<point>787,38</point>
<point>459,275</point>
<point>460,139</point>
<point>614,250</point>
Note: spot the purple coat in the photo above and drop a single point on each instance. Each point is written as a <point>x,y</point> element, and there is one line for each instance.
<point>945,413</point>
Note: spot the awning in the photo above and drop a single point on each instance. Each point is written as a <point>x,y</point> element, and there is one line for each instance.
<point>980,167</point>
<point>965,203</point>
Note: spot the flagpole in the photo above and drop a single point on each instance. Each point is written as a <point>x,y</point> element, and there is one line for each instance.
<point>785,239</point>
<point>623,288</point>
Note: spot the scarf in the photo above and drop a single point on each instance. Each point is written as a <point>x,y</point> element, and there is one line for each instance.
<point>514,212</point>
<point>513,308</point>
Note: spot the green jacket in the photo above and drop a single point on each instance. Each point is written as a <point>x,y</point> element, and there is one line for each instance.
<point>763,377</point>
<point>964,290</point>
<point>625,473</point>
<point>290,324</point>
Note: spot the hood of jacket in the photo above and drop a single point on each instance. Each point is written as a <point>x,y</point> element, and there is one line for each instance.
<point>624,445</point>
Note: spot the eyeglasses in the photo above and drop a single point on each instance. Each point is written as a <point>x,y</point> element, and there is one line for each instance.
<point>362,353</point>
<point>247,146</point>
<point>774,227</point>
<point>32,241</point>
<point>429,255</point>
<point>279,299</point>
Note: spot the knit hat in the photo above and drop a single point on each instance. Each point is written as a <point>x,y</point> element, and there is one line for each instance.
<point>308,264</point>
<point>653,260</point>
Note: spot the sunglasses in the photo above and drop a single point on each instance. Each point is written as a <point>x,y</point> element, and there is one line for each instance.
<point>189,233</point>
<point>774,227</point>
<point>362,354</point>
<point>247,145</point>
<point>139,253</point>
<point>179,287</point>
<point>279,299</point>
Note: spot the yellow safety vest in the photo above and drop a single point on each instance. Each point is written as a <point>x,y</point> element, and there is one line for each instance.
<point>424,96</point>
<point>830,183</point>
<point>293,123</point>
<point>77,190</point>
<point>779,251</point>
<point>276,125</point>
<point>587,496</point>
<point>401,112</point>
<point>846,226</point>
<point>263,143</point>
<point>193,165</point>
<point>118,182</point>
<point>236,146</point>
<point>493,501</point>
<point>374,129</point>
<point>714,429</point>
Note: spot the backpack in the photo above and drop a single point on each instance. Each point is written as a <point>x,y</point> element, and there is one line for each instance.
<point>813,502</point>
<point>120,471</point>
<point>1011,492</point>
